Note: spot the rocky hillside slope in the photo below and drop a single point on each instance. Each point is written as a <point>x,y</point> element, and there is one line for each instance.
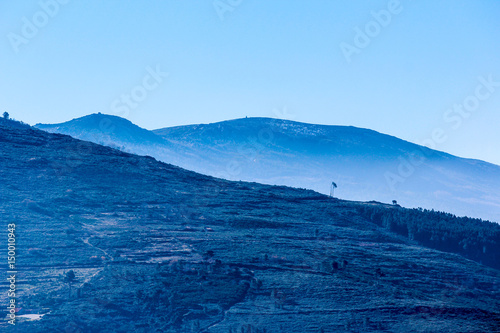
<point>156,248</point>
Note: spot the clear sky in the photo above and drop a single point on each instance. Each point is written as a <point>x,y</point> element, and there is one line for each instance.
<point>397,67</point>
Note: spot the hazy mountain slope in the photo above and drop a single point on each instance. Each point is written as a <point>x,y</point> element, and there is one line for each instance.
<point>96,126</point>
<point>114,132</point>
<point>366,165</point>
<point>159,248</point>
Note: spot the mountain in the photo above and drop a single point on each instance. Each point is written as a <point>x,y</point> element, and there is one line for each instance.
<point>107,130</point>
<point>107,241</point>
<point>363,163</point>
<point>120,133</point>
<point>366,165</point>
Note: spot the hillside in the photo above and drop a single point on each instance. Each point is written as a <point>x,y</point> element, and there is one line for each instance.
<point>104,128</point>
<point>365,164</point>
<point>158,248</point>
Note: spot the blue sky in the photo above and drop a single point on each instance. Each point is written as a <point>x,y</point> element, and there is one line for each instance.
<point>280,58</point>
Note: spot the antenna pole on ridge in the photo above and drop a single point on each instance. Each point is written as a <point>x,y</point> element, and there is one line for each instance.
<point>333,186</point>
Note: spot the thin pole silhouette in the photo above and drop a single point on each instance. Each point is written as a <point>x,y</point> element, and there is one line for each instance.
<point>332,189</point>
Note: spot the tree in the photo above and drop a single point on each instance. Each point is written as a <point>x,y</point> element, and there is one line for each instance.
<point>69,279</point>
<point>5,115</point>
<point>394,202</point>
<point>335,265</point>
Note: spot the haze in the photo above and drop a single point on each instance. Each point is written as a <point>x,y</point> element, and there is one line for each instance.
<point>282,59</point>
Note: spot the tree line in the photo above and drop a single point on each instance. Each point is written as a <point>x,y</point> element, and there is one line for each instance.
<point>472,238</point>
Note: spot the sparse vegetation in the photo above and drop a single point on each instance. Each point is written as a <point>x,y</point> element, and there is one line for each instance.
<point>473,238</point>
<point>135,233</point>
<point>70,278</point>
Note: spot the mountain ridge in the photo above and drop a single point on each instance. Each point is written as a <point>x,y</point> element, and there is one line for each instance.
<point>164,131</point>
<point>157,247</point>
<point>366,164</point>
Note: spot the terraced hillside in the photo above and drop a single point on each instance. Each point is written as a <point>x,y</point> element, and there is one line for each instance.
<point>156,248</point>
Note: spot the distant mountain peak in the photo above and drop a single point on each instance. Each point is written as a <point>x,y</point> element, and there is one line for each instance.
<point>107,127</point>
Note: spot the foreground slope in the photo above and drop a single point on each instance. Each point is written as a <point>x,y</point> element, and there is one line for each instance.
<point>158,248</point>
<point>366,165</point>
